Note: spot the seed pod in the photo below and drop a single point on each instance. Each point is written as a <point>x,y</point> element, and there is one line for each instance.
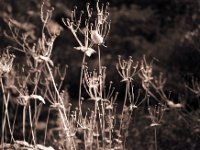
<point>96,37</point>
<point>87,50</point>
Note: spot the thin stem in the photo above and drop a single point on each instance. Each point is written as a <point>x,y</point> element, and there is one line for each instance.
<point>125,99</point>
<point>110,132</point>
<point>31,124</point>
<point>54,84</point>
<point>8,120</point>
<point>155,137</point>
<point>24,122</point>
<point>15,117</point>
<point>97,140</point>
<point>99,58</point>
<point>37,77</point>
<point>80,83</point>
<point>101,96</point>
<point>59,97</point>
<point>77,39</point>
<point>5,116</point>
<point>47,121</point>
<point>62,111</point>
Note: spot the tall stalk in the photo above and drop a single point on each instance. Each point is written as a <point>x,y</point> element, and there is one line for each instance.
<point>62,111</point>
<point>5,116</point>
<point>80,84</point>
<point>102,119</point>
<point>124,105</point>
<point>155,137</point>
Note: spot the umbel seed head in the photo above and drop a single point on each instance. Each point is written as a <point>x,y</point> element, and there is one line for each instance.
<point>96,37</point>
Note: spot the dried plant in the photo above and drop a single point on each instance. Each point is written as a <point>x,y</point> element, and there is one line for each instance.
<point>156,115</point>
<point>105,125</point>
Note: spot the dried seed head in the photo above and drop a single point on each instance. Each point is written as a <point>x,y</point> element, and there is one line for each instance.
<point>87,50</point>
<point>171,104</point>
<point>6,62</point>
<point>96,37</point>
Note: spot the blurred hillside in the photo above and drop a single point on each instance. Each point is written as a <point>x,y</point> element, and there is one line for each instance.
<point>155,28</point>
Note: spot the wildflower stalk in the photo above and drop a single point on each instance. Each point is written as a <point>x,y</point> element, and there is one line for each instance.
<point>47,121</point>
<point>5,116</point>
<point>110,132</point>
<point>36,114</point>
<point>156,115</point>
<point>101,96</point>
<point>61,109</point>
<point>62,112</point>
<point>155,137</point>
<point>80,83</point>
<point>31,124</point>
<point>24,122</point>
<point>4,109</point>
<point>60,99</point>
<point>125,100</point>
<point>95,34</point>
<point>77,39</point>
<point>99,59</point>
<point>14,120</point>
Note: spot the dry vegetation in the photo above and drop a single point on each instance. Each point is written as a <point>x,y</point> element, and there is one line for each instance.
<point>36,109</point>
